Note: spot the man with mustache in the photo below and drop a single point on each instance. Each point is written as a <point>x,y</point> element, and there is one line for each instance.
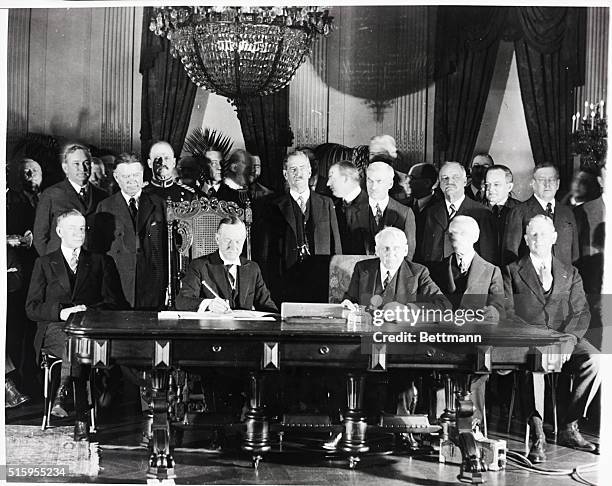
<point>164,183</point>
<point>75,192</point>
<point>434,244</point>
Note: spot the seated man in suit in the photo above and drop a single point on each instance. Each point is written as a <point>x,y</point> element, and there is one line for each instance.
<point>498,185</point>
<point>544,291</point>
<point>545,184</point>
<point>434,245</point>
<point>236,281</point>
<point>470,282</point>
<point>68,280</point>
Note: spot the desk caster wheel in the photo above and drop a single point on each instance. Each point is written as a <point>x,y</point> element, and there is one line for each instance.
<point>255,462</point>
<point>353,461</point>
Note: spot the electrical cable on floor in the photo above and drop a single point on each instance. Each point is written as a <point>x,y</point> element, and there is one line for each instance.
<point>575,473</point>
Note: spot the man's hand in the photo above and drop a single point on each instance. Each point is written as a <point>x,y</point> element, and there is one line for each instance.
<point>65,313</point>
<point>491,314</point>
<point>219,306</point>
<point>347,304</point>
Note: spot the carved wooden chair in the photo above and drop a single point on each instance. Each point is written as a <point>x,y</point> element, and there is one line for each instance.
<point>340,272</point>
<point>191,234</point>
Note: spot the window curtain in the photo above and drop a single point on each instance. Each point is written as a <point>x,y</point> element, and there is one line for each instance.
<point>550,62</point>
<point>267,133</point>
<point>467,42</point>
<point>167,92</point>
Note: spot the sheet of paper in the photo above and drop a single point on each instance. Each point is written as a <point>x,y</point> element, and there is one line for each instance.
<point>238,315</point>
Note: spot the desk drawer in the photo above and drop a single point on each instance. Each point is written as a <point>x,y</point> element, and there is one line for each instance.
<point>221,352</point>
<point>322,353</point>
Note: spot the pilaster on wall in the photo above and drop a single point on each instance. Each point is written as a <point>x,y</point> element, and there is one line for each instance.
<point>18,71</point>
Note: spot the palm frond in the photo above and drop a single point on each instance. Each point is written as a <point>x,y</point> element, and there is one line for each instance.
<point>200,141</point>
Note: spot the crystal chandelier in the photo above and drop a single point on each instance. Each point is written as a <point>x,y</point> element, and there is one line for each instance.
<point>241,52</point>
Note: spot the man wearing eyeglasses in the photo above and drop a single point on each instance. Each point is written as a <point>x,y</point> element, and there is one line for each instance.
<point>434,245</point>
<point>545,184</point>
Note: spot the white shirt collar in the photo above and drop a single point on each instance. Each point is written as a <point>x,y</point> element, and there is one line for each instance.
<point>384,270</point>
<point>351,196</point>
<point>457,204</point>
<point>466,258</point>
<point>544,203</point>
<point>67,252</point>
<point>229,262</point>
<point>475,189</point>
<point>383,203</point>
<point>304,195</point>
<point>538,262</point>
<point>77,188</point>
<point>232,184</point>
<point>135,196</point>
<point>501,203</point>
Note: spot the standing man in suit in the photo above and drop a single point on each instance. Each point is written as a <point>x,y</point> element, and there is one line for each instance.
<point>212,173</point>
<point>236,281</point>
<point>498,185</point>
<point>434,246</point>
<point>238,169</point>
<point>544,291</point>
<point>476,189</point>
<point>421,179</point>
<point>545,184</point>
<point>361,215</point>
<point>301,233</point>
<point>164,183</point>
<point>65,281</point>
<point>21,204</point>
<point>131,227</point>
<point>75,192</point>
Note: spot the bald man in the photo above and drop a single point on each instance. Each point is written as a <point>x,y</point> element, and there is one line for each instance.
<point>435,245</point>
<point>544,291</point>
<point>164,182</point>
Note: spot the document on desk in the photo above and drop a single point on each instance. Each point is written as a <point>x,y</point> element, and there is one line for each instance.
<point>236,315</point>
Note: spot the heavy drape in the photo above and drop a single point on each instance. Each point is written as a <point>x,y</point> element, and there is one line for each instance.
<point>167,92</point>
<point>550,62</point>
<point>267,133</point>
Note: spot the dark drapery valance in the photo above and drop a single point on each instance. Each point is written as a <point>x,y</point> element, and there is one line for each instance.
<point>267,133</point>
<point>549,44</point>
<point>167,92</point>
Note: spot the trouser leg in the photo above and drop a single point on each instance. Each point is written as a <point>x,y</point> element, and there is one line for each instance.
<point>584,364</point>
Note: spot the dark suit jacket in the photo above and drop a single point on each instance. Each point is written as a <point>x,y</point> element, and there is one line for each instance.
<point>140,255</point>
<point>354,225</point>
<point>565,309</point>
<point>435,245</point>
<point>226,193</point>
<point>500,226</point>
<point>252,290</point>
<point>57,199</point>
<point>97,285</point>
<point>566,247</point>
<point>413,281</point>
<point>484,283</point>
<point>591,221</point>
<point>20,213</point>
<point>280,240</point>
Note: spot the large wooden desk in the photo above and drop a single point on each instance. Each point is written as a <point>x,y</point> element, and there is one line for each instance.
<point>140,339</point>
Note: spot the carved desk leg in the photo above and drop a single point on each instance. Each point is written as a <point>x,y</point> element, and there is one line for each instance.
<point>161,463</point>
<point>355,425</point>
<point>257,437</point>
<point>449,400</point>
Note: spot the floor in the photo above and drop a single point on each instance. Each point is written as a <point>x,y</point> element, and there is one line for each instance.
<point>122,461</point>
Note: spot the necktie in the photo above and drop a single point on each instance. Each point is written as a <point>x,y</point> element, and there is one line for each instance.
<point>230,277</point>
<point>451,212</point>
<point>461,264</point>
<point>74,260</point>
<point>211,191</point>
<point>301,204</point>
<point>479,196</point>
<point>496,210</point>
<point>545,277</point>
<point>133,211</point>
<point>378,216</point>
<point>387,280</point>
<point>83,195</point>
<point>549,211</point>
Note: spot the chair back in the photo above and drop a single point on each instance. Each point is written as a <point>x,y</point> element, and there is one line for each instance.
<point>191,233</point>
<point>340,272</point>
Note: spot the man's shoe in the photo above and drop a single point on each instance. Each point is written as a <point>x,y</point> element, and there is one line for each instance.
<point>537,453</point>
<point>81,431</point>
<point>571,437</point>
<point>13,397</point>
<point>61,403</point>
<point>332,445</point>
